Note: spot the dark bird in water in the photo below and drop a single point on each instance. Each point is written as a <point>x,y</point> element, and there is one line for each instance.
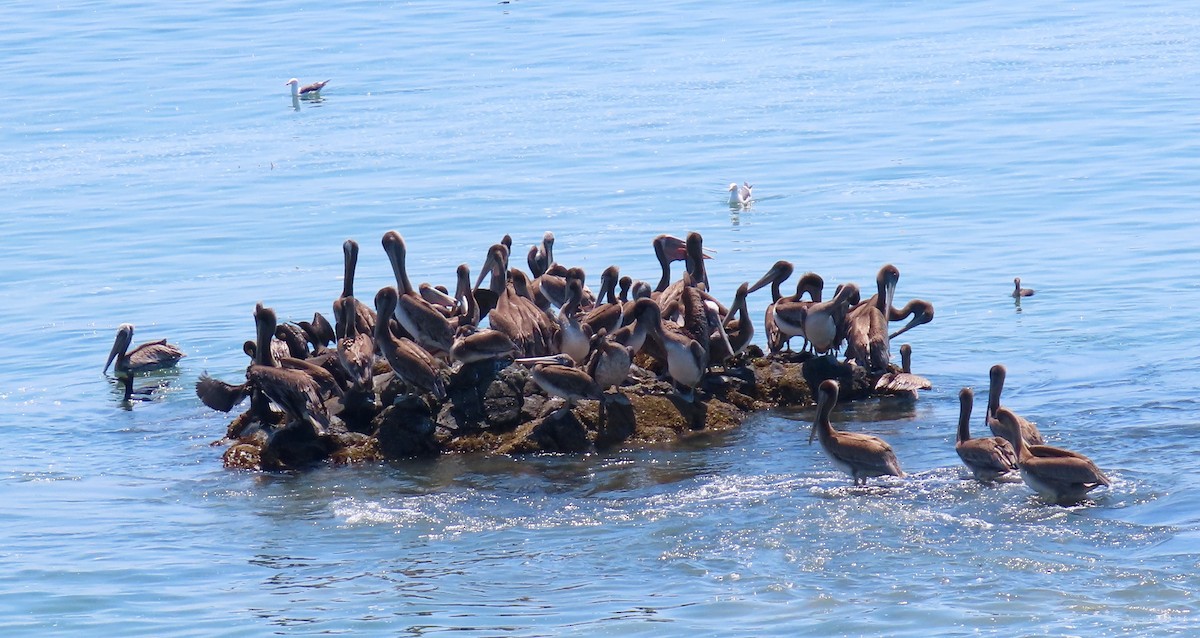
<point>306,90</point>
<point>859,455</point>
<point>147,357</point>
<point>1018,291</point>
<point>1057,475</point>
<point>988,458</point>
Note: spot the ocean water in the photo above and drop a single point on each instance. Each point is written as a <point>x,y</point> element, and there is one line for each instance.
<point>156,172</point>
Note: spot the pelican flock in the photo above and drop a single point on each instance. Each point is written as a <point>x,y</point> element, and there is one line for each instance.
<point>465,362</point>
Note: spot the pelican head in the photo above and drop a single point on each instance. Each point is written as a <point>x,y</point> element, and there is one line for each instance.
<point>121,344</point>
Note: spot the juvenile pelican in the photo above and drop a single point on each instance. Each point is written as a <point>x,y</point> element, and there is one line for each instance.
<point>740,196</point>
<point>1028,431</point>
<point>472,344</point>
<point>541,256</point>
<point>364,319</point>
<point>293,390</point>
<point>606,315</point>
<point>1018,291</point>
<point>988,458</point>
<point>147,357</point>
<point>609,361</point>
<point>355,350</point>
<point>1057,475</point>
<point>859,455</point>
<point>307,90</point>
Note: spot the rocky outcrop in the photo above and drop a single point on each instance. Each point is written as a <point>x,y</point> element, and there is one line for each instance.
<point>497,408</point>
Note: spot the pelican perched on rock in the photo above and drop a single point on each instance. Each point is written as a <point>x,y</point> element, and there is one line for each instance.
<point>421,320</point>
<point>920,310</point>
<point>988,458</point>
<point>364,319</point>
<point>410,362</point>
<point>1028,431</point>
<point>516,315</point>
<point>147,357</point>
<point>573,337</point>
<point>307,90</point>
<point>740,196</point>
<point>606,314</point>
<point>667,249</point>
<point>295,391</point>
<point>859,455</point>
<point>1018,291</point>
<point>541,256</point>
<point>609,361</point>
<point>558,376</point>
<point>867,324</point>
<point>1057,475</point>
<point>356,350</point>
<point>822,324</point>
<point>903,382</point>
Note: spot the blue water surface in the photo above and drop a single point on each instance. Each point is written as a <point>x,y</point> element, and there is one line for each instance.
<point>155,171</point>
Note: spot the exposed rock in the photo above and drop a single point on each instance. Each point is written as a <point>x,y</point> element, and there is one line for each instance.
<point>497,408</point>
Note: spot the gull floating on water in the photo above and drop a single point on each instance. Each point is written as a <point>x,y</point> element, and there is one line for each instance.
<point>298,90</point>
<point>740,196</point>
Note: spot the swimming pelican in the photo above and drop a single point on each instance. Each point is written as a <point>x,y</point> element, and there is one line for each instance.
<point>988,458</point>
<point>1057,475</point>
<point>307,90</point>
<point>147,357</point>
<point>411,363</point>
<point>859,455</point>
<point>427,326</point>
<point>903,382</point>
<point>740,196</point>
<point>1018,291</point>
<point>1028,431</point>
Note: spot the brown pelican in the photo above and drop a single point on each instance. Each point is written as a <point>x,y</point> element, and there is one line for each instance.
<point>573,337</point>
<point>515,315</point>
<point>472,344</point>
<point>1057,475</point>
<point>667,249</point>
<point>776,275</point>
<point>920,310</point>
<point>318,332</point>
<point>822,324</point>
<point>356,351</point>
<point>541,257</point>
<point>411,363</point>
<point>625,283</point>
<point>867,325</point>
<point>439,298</point>
<point>364,319</point>
<point>551,289</point>
<point>1029,431</point>
<point>643,313</point>
<point>739,331</point>
<point>988,458</point>
<point>427,326</point>
<point>294,337</point>
<point>685,351</point>
<point>903,382</point>
<point>740,196</point>
<point>609,361</point>
<point>147,357</point>
<point>558,376</point>
<point>307,90</point>
<point>1018,291</point>
<point>606,315</point>
<point>859,455</point>
<point>293,390</point>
